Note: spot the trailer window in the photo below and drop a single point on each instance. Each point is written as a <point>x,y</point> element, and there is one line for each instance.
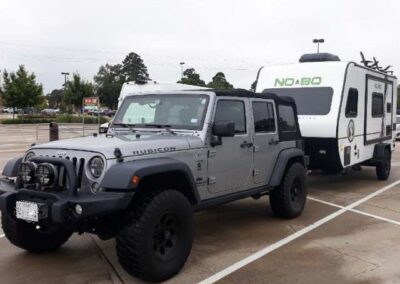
<point>309,101</point>
<point>377,105</point>
<point>264,120</point>
<point>352,103</point>
<point>389,107</point>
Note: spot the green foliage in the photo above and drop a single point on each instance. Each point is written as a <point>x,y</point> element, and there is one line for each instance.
<point>21,90</point>
<point>109,81</point>
<point>219,82</point>
<point>77,89</point>
<point>134,69</point>
<point>26,120</point>
<point>190,77</point>
<point>55,98</point>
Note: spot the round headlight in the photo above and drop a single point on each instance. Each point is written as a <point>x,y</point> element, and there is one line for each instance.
<point>26,172</point>
<point>29,155</point>
<point>96,167</point>
<point>46,174</point>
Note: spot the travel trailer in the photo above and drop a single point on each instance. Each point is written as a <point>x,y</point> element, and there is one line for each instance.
<point>130,88</point>
<point>346,110</point>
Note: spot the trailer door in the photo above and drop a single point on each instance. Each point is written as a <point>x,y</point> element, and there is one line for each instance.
<point>378,110</point>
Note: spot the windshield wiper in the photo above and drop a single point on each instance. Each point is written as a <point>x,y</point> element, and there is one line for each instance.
<point>163,126</point>
<point>124,125</point>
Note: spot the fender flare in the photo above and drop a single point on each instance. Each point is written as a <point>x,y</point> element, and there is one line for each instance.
<point>11,167</point>
<point>119,175</point>
<point>281,163</point>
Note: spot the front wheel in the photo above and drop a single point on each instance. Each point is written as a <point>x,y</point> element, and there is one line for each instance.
<point>383,167</point>
<point>32,238</point>
<point>156,242</point>
<point>289,198</point>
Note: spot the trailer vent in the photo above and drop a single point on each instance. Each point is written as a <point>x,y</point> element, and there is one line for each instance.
<point>318,57</point>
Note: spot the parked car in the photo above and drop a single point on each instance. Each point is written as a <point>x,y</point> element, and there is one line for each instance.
<point>50,112</point>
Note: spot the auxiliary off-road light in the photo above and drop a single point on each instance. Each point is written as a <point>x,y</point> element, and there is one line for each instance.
<point>96,166</point>
<point>46,174</point>
<point>78,209</point>
<point>26,172</point>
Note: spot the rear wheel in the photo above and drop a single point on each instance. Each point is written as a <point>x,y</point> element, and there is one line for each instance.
<point>289,198</point>
<point>383,167</point>
<point>156,242</point>
<point>32,238</point>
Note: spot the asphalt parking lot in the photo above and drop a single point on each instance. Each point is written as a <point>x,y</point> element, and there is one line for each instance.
<point>348,233</point>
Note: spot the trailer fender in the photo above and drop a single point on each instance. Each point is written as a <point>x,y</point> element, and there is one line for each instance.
<point>283,159</point>
<point>379,150</point>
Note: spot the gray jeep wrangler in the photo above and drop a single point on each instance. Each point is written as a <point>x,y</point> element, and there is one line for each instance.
<point>165,156</point>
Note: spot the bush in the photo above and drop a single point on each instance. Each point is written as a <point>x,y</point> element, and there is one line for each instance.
<point>65,118</point>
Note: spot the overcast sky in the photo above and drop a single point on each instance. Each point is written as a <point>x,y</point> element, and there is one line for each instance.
<point>236,37</point>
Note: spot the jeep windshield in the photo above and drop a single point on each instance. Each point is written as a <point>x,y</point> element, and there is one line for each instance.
<point>177,111</point>
<point>309,101</point>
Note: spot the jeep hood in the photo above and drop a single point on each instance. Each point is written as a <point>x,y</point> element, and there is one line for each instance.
<point>130,145</point>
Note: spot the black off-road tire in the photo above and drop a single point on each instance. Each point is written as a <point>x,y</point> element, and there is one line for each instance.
<point>25,235</point>
<point>157,241</point>
<point>383,167</point>
<point>289,198</point>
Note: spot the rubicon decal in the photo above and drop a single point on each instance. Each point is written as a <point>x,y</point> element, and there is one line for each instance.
<point>154,151</point>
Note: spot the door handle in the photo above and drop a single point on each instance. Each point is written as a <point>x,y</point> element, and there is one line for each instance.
<point>246,144</point>
<point>273,141</point>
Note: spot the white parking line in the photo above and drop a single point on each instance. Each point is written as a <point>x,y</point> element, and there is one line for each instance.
<point>2,236</point>
<point>268,249</point>
<point>356,211</point>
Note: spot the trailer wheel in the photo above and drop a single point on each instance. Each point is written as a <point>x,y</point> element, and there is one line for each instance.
<point>156,242</point>
<point>289,198</point>
<point>383,167</point>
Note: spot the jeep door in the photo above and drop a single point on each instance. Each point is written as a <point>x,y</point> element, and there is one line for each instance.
<point>230,164</point>
<point>265,139</point>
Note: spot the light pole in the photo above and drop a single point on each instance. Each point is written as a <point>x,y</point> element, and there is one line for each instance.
<point>181,63</point>
<point>318,41</point>
<point>65,74</point>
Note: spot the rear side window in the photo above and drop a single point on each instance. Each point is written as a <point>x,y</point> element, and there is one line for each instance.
<point>264,120</point>
<point>231,110</point>
<point>352,103</point>
<point>287,121</point>
<point>377,105</point>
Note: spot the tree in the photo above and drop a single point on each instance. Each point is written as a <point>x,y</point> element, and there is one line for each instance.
<point>190,77</point>
<point>219,82</point>
<point>109,80</point>
<point>21,89</point>
<point>76,90</point>
<point>134,69</point>
<point>55,98</point>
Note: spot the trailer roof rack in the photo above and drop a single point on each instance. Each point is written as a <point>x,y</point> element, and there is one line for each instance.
<point>318,57</point>
<point>375,65</point>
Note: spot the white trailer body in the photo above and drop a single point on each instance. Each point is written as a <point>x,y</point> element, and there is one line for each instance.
<point>347,112</point>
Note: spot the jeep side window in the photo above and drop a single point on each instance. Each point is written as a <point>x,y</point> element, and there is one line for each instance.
<point>352,103</point>
<point>232,110</point>
<point>264,120</point>
<point>377,105</point>
<point>287,121</point>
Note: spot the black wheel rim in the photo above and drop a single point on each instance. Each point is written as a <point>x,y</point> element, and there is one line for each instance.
<point>387,166</point>
<point>166,236</point>
<point>296,190</point>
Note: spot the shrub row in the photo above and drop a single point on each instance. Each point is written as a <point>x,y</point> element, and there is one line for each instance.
<point>60,119</point>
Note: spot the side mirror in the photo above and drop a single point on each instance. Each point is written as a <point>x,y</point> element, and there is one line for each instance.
<point>222,129</point>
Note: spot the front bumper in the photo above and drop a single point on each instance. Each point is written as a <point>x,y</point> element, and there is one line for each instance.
<point>59,208</point>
